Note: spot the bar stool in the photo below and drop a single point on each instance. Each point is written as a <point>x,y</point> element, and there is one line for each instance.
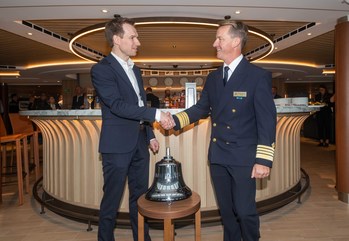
<point>166,212</point>
<point>16,139</point>
<point>22,125</point>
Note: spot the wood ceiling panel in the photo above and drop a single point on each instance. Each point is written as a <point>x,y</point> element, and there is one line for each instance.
<point>66,27</point>
<point>158,42</point>
<point>20,51</point>
<point>275,28</point>
<point>319,51</point>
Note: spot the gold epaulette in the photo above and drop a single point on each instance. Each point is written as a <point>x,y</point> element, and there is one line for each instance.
<point>183,119</point>
<point>265,152</point>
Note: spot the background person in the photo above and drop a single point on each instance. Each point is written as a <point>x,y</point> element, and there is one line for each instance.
<point>274,93</point>
<point>13,105</point>
<point>60,101</point>
<point>53,104</point>
<point>78,99</point>
<point>324,116</point>
<point>42,103</point>
<point>154,100</point>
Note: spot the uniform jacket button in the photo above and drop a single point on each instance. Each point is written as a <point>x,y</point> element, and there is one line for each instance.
<point>233,110</point>
<point>228,127</point>
<point>214,124</point>
<point>214,139</point>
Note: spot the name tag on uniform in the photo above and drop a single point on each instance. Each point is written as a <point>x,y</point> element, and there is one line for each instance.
<point>239,94</point>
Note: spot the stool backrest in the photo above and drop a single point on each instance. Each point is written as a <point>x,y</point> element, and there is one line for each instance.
<point>20,124</point>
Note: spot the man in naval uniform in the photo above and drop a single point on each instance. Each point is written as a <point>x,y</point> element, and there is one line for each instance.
<point>238,99</point>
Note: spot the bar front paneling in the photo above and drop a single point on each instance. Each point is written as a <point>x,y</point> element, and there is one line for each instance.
<point>72,168</point>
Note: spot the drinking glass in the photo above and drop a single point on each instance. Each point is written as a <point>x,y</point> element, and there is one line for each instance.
<point>90,97</point>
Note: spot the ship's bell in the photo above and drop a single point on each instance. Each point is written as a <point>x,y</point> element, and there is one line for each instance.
<point>168,184</point>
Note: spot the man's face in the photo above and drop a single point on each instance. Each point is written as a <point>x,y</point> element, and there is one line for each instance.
<point>225,43</point>
<point>78,90</point>
<point>129,43</point>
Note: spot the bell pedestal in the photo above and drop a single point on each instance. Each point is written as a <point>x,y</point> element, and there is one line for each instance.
<point>168,213</point>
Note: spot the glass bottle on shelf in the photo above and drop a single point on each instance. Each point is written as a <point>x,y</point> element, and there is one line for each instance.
<point>97,103</point>
<point>181,103</point>
<point>174,103</point>
<point>167,99</point>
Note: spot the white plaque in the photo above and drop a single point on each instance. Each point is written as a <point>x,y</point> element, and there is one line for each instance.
<point>190,94</point>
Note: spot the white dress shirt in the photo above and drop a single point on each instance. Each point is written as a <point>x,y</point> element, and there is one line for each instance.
<point>232,66</point>
<point>128,68</point>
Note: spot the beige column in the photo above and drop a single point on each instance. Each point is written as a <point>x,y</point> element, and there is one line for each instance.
<point>342,107</point>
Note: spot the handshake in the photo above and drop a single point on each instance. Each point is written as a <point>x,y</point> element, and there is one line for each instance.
<point>166,120</point>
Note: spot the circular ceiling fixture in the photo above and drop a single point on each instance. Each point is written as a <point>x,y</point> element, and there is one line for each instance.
<point>89,54</point>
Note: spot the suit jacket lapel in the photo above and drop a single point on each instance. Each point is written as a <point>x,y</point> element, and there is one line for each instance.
<point>235,80</point>
<point>119,70</point>
<point>138,75</point>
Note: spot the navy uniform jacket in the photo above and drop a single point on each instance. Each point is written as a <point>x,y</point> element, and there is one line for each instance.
<point>243,116</point>
<point>121,114</point>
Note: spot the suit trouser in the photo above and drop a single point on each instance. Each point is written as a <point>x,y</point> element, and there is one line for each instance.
<point>116,168</point>
<point>235,194</point>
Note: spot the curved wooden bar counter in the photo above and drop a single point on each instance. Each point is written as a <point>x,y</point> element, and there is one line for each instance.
<point>72,170</point>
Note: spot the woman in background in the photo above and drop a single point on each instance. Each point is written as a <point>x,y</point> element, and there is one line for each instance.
<point>324,116</point>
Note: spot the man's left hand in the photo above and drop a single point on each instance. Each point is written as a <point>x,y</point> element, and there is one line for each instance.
<point>260,171</point>
<point>154,145</point>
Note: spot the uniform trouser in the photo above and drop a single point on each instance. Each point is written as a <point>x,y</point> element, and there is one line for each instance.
<point>235,194</point>
<point>116,167</point>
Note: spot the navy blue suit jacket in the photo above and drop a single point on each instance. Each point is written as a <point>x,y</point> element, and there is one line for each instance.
<point>121,114</point>
<point>243,116</point>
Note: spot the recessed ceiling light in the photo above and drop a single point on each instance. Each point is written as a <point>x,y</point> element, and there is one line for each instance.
<point>104,10</point>
<point>276,47</point>
<point>30,34</point>
<point>237,12</point>
<point>309,34</point>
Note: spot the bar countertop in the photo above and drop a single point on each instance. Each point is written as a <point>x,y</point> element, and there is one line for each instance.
<point>97,112</point>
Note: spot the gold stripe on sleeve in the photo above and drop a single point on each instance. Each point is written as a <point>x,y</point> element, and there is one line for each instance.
<point>265,152</point>
<point>183,119</point>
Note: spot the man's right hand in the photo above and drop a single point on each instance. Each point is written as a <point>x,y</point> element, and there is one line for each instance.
<point>166,120</point>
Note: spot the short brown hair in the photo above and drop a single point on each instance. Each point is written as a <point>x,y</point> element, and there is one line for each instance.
<point>237,29</point>
<point>114,27</point>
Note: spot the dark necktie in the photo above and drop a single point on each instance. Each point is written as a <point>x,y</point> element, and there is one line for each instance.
<point>225,75</point>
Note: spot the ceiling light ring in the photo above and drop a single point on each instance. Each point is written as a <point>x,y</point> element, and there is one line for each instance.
<point>165,20</point>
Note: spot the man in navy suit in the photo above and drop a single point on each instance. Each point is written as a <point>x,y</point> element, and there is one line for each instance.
<point>239,101</point>
<point>126,132</point>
